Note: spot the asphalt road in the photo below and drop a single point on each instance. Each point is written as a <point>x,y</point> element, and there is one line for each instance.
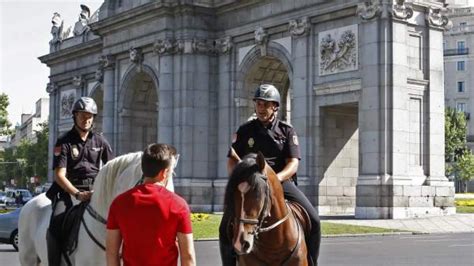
<point>429,250</point>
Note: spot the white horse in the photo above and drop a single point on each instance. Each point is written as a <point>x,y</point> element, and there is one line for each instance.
<point>117,176</point>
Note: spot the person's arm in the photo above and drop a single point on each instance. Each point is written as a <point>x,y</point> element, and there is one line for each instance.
<point>186,249</point>
<point>64,183</point>
<point>232,160</point>
<point>290,169</point>
<point>112,244</point>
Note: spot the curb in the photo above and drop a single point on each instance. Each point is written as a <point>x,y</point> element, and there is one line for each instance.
<point>343,235</point>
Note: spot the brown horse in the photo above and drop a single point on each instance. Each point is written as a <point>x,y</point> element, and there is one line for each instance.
<point>264,230</point>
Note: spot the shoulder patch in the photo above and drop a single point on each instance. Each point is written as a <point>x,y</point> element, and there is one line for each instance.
<point>295,140</point>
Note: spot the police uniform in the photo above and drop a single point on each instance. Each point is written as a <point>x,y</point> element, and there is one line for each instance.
<point>277,142</point>
<point>81,158</point>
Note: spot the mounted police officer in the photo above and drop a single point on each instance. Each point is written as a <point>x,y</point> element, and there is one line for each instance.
<point>78,155</point>
<point>278,142</point>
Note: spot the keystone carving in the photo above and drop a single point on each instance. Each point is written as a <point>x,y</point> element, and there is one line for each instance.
<point>135,55</point>
<point>261,39</point>
<point>77,81</point>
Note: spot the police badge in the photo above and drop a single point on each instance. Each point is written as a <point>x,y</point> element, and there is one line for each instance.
<point>74,152</point>
<point>251,142</point>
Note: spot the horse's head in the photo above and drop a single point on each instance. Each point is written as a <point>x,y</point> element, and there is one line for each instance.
<point>251,201</point>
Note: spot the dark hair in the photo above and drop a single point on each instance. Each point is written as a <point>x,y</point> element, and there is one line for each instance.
<point>156,157</point>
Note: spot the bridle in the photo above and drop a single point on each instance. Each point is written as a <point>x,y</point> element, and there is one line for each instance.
<point>264,212</point>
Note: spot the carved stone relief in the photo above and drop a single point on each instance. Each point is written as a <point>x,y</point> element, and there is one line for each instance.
<point>223,45</point>
<point>105,61</point>
<point>437,17</point>
<point>77,81</point>
<point>58,32</point>
<point>82,25</point>
<point>338,50</point>
<point>51,88</point>
<point>203,46</point>
<point>369,9</point>
<point>67,100</point>
<point>402,10</point>
<point>261,39</point>
<point>299,28</point>
<point>135,55</point>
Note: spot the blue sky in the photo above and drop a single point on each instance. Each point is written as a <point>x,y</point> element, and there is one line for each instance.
<point>25,27</point>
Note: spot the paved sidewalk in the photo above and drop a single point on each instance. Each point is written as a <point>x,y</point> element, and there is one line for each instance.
<point>442,224</point>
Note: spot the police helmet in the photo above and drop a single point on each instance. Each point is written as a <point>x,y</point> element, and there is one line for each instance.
<point>267,92</point>
<point>85,104</point>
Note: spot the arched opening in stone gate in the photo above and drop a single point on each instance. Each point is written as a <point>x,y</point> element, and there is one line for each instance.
<point>139,113</point>
<point>98,95</point>
<point>339,158</point>
<point>267,69</point>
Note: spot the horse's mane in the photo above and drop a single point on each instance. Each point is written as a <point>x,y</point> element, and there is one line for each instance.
<point>246,170</point>
<point>115,177</point>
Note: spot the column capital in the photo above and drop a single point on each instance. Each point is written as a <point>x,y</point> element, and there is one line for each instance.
<point>369,9</point>
<point>51,88</point>
<point>299,27</point>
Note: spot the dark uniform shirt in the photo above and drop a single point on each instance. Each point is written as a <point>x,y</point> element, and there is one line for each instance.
<point>277,142</point>
<point>81,158</point>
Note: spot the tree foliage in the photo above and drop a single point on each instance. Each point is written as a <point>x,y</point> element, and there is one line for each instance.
<point>28,159</point>
<point>455,129</point>
<point>4,123</point>
<point>465,168</point>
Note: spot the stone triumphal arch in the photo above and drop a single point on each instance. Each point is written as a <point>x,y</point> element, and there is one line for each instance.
<point>361,81</point>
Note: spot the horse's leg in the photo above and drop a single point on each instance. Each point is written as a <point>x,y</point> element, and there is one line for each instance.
<point>32,225</point>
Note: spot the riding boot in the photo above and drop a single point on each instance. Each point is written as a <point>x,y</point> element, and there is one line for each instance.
<point>54,249</point>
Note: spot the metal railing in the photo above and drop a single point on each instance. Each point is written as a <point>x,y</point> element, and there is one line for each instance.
<point>459,51</point>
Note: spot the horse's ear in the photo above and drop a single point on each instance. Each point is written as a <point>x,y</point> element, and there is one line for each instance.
<point>260,162</point>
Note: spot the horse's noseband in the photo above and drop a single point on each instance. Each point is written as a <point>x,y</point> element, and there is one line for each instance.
<point>263,214</point>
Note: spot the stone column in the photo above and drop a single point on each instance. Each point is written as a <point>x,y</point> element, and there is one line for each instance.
<point>109,99</point>
<point>224,125</point>
<point>165,106</point>
<point>52,90</point>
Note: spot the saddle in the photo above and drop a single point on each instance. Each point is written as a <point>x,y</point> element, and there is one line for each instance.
<point>302,216</point>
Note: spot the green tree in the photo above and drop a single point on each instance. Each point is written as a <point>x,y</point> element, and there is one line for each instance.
<point>464,168</point>
<point>455,129</point>
<point>4,123</point>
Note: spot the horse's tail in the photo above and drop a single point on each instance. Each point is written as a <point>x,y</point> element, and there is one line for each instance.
<point>32,225</point>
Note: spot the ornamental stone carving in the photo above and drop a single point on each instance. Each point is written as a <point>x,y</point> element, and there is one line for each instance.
<point>105,61</point>
<point>51,88</point>
<point>99,75</point>
<point>261,36</point>
<point>163,46</point>
<point>223,45</point>
<point>178,46</point>
<point>437,17</point>
<point>402,10</point>
<point>77,81</point>
<point>338,50</point>
<point>135,55</point>
<point>82,25</point>
<point>369,9</point>
<point>202,46</point>
<point>299,28</point>
<point>58,32</point>
<point>67,100</point>
<point>261,39</point>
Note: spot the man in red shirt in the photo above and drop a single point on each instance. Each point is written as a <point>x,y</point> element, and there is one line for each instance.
<point>148,218</point>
